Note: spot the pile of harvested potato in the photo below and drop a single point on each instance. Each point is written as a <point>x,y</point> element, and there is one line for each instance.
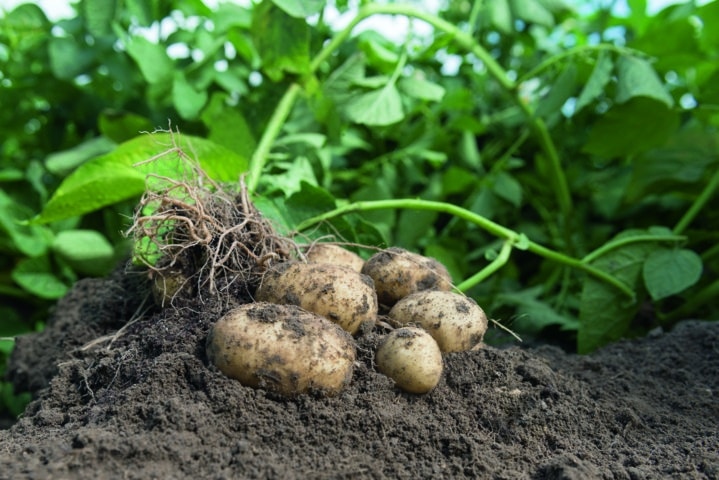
<point>297,336</point>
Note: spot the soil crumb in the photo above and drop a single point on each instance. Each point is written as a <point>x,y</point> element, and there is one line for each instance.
<point>146,404</point>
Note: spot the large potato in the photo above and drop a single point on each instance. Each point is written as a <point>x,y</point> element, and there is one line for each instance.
<point>330,253</point>
<point>411,358</point>
<point>397,273</point>
<point>456,322</point>
<point>282,348</point>
<point>344,296</point>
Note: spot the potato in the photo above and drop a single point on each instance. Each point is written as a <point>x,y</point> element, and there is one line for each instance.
<point>167,284</point>
<point>397,273</point>
<point>342,295</point>
<point>456,322</point>
<point>330,253</point>
<point>411,358</point>
<point>282,348</point>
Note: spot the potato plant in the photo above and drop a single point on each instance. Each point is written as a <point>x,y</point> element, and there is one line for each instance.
<point>288,340</point>
<point>535,178</point>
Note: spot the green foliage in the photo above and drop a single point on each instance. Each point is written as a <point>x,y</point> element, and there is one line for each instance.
<point>562,165</point>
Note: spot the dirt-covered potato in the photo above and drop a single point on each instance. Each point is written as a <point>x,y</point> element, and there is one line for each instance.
<point>168,284</point>
<point>397,273</point>
<point>330,253</point>
<point>456,322</point>
<point>411,358</point>
<point>282,348</point>
<point>342,295</point>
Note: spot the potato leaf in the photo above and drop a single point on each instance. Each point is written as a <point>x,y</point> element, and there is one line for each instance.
<point>113,178</point>
<point>282,41</point>
<point>155,65</point>
<point>379,107</point>
<point>637,78</point>
<point>421,89</point>
<point>62,163</point>
<point>91,187</point>
<point>532,11</point>
<point>563,88</point>
<point>87,251</point>
<point>187,99</point>
<point>300,8</point>
<point>534,314</point>
<point>228,127</point>
<point>500,15</point>
<point>598,80</point>
<point>605,314</point>
<point>624,129</point>
<point>31,240</point>
<point>669,271</point>
<point>378,51</point>
<point>99,15</point>
<point>35,276</point>
<point>120,126</point>
<point>68,59</point>
<point>508,188</point>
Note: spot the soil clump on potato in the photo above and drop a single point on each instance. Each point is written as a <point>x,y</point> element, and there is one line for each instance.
<point>147,403</point>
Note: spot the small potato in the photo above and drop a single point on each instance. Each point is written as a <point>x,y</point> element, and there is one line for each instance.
<point>166,285</point>
<point>342,295</point>
<point>411,358</point>
<point>456,322</point>
<point>334,254</point>
<point>397,273</point>
<point>282,348</point>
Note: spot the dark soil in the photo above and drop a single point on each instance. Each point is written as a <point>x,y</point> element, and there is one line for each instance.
<point>146,404</point>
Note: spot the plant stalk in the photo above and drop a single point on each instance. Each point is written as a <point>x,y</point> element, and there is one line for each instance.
<point>608,247</point>
<point>698,204</point>
<point>272,131</point>
<point>487,271</point>
<point>516,239</point>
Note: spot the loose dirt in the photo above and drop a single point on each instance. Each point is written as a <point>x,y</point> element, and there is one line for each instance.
<point>146,404</point>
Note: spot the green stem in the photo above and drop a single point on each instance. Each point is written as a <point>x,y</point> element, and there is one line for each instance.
<point>262,152</point>
<point>706,295</point>
<point>607,247</point>
<point>698,204</point>
<point>493,228</point>
<point>474,16</point>
<point>578,51</point>
<point>494,265</point>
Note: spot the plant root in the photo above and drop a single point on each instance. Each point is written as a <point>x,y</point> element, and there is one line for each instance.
<point>214,237</point>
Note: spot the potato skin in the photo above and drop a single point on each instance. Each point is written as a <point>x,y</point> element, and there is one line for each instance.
<point>282,348</point>
<point>342,295</point>
<point>397,272</point>
<point>456,322</point>
<point>411,358</point>
<point>334,254</point>
<point>167,285</point>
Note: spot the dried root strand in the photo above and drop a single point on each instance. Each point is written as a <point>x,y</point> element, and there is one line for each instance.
<point>196,226</point>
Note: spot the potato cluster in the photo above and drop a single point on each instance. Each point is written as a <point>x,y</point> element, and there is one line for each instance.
<point>297,336</point>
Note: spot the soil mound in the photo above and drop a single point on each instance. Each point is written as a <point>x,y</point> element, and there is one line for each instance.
<point>145,403</point>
